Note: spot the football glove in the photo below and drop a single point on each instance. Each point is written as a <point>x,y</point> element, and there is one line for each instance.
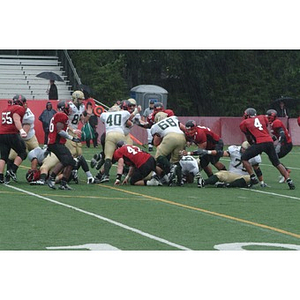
<point>76,140</point>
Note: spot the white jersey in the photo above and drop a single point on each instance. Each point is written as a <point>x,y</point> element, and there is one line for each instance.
<point>236,165</point>
<point>165,126</point>
<point>29,119</point>
<point>189,165</point>
<point>75,115</point>
<point>37,153</point>
<point>115,121</point>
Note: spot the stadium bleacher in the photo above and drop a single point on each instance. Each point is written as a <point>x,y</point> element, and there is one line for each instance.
<point>18,76</point>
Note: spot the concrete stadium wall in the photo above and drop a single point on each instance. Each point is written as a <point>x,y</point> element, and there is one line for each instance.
<point>226,127</point>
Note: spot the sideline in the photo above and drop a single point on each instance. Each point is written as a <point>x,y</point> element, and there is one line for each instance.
<point>212,212</point>
<point>150,236</point>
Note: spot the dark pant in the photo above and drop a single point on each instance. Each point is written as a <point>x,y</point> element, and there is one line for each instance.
<point>142,172</point>
<point>63,154</point>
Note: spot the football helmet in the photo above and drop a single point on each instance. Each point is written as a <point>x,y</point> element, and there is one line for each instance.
<point>249,113</point>
<point>271,115</point>
<point>77,95</point>
<point>64,107</point>
<point>158,106</point>
<point>245,145</point>
<point>190,127</point>
<point>160,116</point>
<point>33,175</point>
<point>18,100</point>
<point>132,101</point>
<point>125,105</point>
<point>120,144</point>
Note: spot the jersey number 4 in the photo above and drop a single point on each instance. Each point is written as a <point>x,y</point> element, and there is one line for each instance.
<point>257,124</point>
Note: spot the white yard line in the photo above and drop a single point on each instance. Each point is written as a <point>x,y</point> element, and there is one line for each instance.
<point>269,193</point>
<point>150,236</point>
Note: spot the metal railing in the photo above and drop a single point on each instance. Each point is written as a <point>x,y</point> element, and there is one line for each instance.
<point>69,68</point>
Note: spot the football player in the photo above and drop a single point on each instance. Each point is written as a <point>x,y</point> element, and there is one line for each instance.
<point>255,128</point>
<point>189,169</point>
<point>116,123</point>
<point>280,134</point>
<point>31,141</point>
<point>56,144</point>
<point>236,176</point>
<point>169,140</point>
<point>42,162</point>
<point>142,165</point>
<point>11,136</point>
<point>76,116</point>
<point>206,139</point>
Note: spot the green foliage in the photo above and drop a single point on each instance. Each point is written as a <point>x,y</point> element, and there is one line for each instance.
<point>199,82</point>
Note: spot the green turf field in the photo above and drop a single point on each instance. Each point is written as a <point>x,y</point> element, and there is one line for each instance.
<point>103,216</point>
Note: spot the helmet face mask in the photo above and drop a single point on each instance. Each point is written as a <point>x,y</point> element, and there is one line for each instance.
<point>125,105</point>
<point>64,107</point>
<point>18,100</point>
<point>271,115</point>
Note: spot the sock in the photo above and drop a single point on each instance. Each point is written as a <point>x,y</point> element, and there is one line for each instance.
<point>211,180</point>
<point>107,166</point>
<point>238,183</point>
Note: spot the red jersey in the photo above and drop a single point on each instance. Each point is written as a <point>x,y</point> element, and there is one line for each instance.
<point>203,134</point>
<point>298,120</point>
<point>132,155</point>
<point>54,137</point>
<point>257,128</point>
<point>275,126</point>
<point>8,125</point>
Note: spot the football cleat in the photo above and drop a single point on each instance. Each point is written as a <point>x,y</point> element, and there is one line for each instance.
<point>96,180</point>
<point>253,180</point>
<point>12,175</point>
<point>154,181</point>
<point>95,160</point>
<point>93,163</point>
<point>105,178</point>
<point>263,185</point>
<point>65,187</point>
<point>92,180</point>
<point>74,175</point>
<point>37,182</point>
<point>282,179</point>
<point>291,184</point>
<point>51,184</point>
<point>220,184</point>
<point>101,162</point>
<point>172,174</point>
<point>7,178</point>
<point>200,182</point>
